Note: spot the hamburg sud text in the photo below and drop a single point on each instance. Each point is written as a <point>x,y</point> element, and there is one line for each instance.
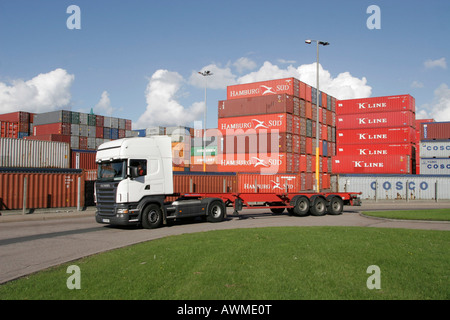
<point>216,310</point>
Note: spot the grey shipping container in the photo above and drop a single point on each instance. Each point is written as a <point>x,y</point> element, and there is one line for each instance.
<point>62,116</point>
<point>434,149</point>
<point>75,129</point>
<point>155,131</point>
<point>74,142</point>
<point>83,130</point>
<point>439,166</point>
<point>114,123</point>
<point>34,153</point>
<point>395,187</point>
<point>83,118</point>
<point>91,131</point>
<point>107,122</point>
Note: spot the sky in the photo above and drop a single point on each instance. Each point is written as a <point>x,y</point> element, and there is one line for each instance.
<point>140,60</point>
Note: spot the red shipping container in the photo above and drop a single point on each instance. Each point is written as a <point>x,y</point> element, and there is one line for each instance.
<point>376,120</point>
<point>288,85</point>
<point>83,159</point>
<point>50,137</point>
<point>128,124</point>
<point>277,183</point>
<point>260,163</point>
<point>393,164</point>
<point>309,147</point>
<point>302,90</point>
<point>99,122</point>
<point>376,104</point>
<point>9,129</point>
<point>45,190</point>
<point>99,131</point>
<point>308,110</point>
<point>435,131</point>
<point>375,149</point>
<point>324,100</point>
<point>253,124</point>
<point>371,136</point>
<point>280,103</point>
<point>260,143</point>
<point>52,128</point>
<point>308,93</point>
<point>83,143</point>
<point>19,116</point>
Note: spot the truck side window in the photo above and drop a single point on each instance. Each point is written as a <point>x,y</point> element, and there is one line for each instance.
<point>141,165</point>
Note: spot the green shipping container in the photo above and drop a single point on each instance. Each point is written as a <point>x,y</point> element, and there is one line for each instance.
<point>198,151</point>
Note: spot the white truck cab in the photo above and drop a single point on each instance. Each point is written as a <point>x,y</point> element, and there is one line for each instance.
<point>134,178</point>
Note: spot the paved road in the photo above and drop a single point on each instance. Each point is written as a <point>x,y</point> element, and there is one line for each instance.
<point>40,240</point>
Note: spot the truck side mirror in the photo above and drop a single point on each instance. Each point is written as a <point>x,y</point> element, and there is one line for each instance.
<point>134,172</point>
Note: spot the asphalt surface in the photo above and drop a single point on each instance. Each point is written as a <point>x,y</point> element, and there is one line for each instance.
<point>45,238</point>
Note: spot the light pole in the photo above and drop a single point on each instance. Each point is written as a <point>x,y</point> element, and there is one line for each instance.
<point>205,74</point>
<point>317,109</point>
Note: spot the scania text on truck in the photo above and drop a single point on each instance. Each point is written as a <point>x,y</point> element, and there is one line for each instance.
<point>135,177</point>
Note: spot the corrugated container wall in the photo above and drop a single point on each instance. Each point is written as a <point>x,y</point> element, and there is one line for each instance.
<point>388,187</point>
<point>289,86</point>
<point>440,166</point>
<point>376,104</point>
<point>83,159</point>
<point>33,153</point>
<point>380,164</point>
<point>44,190</point>
<point>435,131</point>
<point>434,149</point>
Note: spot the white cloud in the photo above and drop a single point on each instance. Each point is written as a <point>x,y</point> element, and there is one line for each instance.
<point>439,108</point>
<point>439,63</point>
<point>243,64</point>
<point>344,86</point>
<point>163,109</point>
<point>220,79</point>
<point>104,105</point>
<point>45,92</point>
<point>417,84</point>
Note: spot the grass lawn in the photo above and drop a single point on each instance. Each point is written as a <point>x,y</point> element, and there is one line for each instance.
<point>261,263</point>
<point>432,214</point>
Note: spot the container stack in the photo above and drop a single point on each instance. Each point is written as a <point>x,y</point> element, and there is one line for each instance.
<point>270,127</point>
<point>15,124</point>
<point>418,138</point>
<point>375,135</point>
<point>435,148</point>
<point>82,131</point>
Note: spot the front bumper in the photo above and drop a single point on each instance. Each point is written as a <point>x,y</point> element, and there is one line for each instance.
<point>119,219</point>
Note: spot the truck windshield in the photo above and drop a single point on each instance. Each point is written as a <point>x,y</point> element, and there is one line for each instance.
<point>112,171</point>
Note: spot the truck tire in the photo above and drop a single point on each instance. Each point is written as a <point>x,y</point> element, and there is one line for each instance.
<point>318,206</point>
<point>152,217</point>
<point>301,208</point>
<point>335,205</point>
<point>216,211</point>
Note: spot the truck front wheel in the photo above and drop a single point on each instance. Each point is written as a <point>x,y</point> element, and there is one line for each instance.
<point>152,217</point>
<point>216,211</point>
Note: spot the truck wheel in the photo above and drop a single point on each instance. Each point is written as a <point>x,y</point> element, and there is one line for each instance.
<point>335,205</point>
<point>152,217</point>
<point>318,206</point>
<point>216,211</point>
<point>301,208</point>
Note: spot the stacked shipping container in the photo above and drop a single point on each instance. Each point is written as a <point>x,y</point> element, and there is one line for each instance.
<point>15,124</point>
<point>375,135</point>
<point>270,127</point>
<point>435,148</point>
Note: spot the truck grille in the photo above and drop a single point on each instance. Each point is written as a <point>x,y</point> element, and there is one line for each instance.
<point>106,196</point>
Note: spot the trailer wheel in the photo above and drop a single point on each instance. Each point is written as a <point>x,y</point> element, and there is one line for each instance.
<point>216,211</point>
<point>318,206</point>
<point>301,208</point>
<point>335,205</point>
<point>277,210</point>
